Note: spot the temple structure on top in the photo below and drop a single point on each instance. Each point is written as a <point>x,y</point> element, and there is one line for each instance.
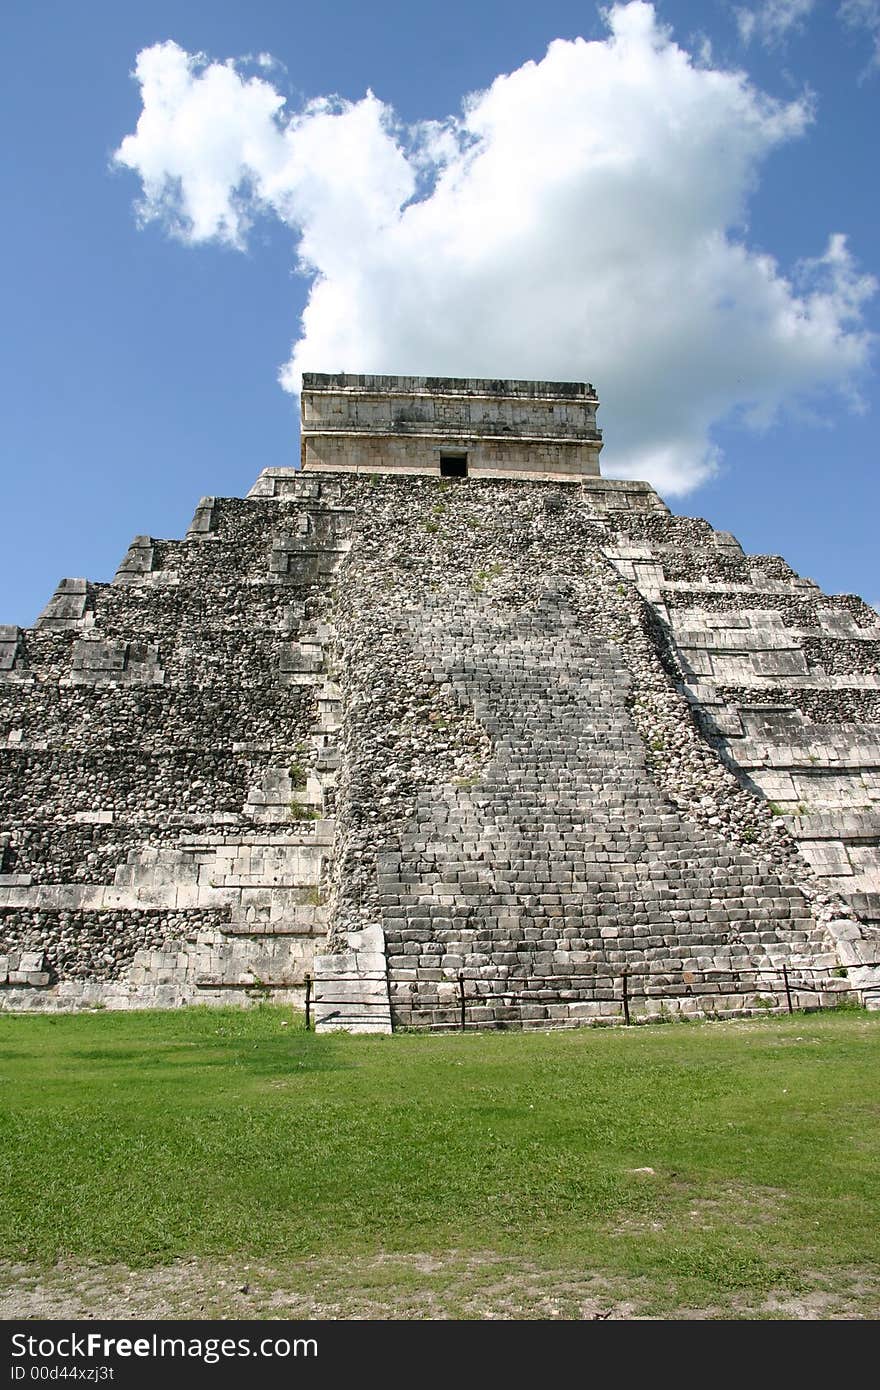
<point>450,426</point>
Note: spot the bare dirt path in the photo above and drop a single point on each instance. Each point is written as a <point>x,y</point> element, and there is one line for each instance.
<point>391,1286</point>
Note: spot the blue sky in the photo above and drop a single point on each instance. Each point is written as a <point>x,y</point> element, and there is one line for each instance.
<point>629,212</point>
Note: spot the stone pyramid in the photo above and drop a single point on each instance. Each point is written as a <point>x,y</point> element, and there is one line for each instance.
<point>442,719</point>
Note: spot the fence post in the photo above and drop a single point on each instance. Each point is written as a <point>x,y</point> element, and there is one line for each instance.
<point>787,988</point>
<point>308,1002</point>
<point>462,1003</point>
<point>625,979</point>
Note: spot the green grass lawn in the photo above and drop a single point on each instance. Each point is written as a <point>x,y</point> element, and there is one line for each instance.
<point>212,1133</point>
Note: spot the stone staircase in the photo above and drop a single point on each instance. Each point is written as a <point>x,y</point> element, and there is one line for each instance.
<point>565,866</point>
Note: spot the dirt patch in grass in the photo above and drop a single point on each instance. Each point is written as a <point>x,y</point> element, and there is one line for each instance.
<point>452,1285</point>
<point>727,1205</point>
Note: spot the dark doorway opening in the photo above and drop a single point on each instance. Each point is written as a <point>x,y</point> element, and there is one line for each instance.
<point>453,465</point>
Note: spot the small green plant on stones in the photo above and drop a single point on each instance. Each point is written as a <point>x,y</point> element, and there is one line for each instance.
<point>481,577</point>
<point>298,775</point>
<point>847,1003</point>
<point>300,811</point>
<point>663,1016</point>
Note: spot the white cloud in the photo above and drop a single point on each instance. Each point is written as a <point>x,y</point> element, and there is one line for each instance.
<point>582,219</point>
<point>863,17</point>
<point>772,20</point>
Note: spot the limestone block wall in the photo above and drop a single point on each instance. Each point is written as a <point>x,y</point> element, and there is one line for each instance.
<point>532,460</point>
<point>394,730</point>
<point>371,424</point>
